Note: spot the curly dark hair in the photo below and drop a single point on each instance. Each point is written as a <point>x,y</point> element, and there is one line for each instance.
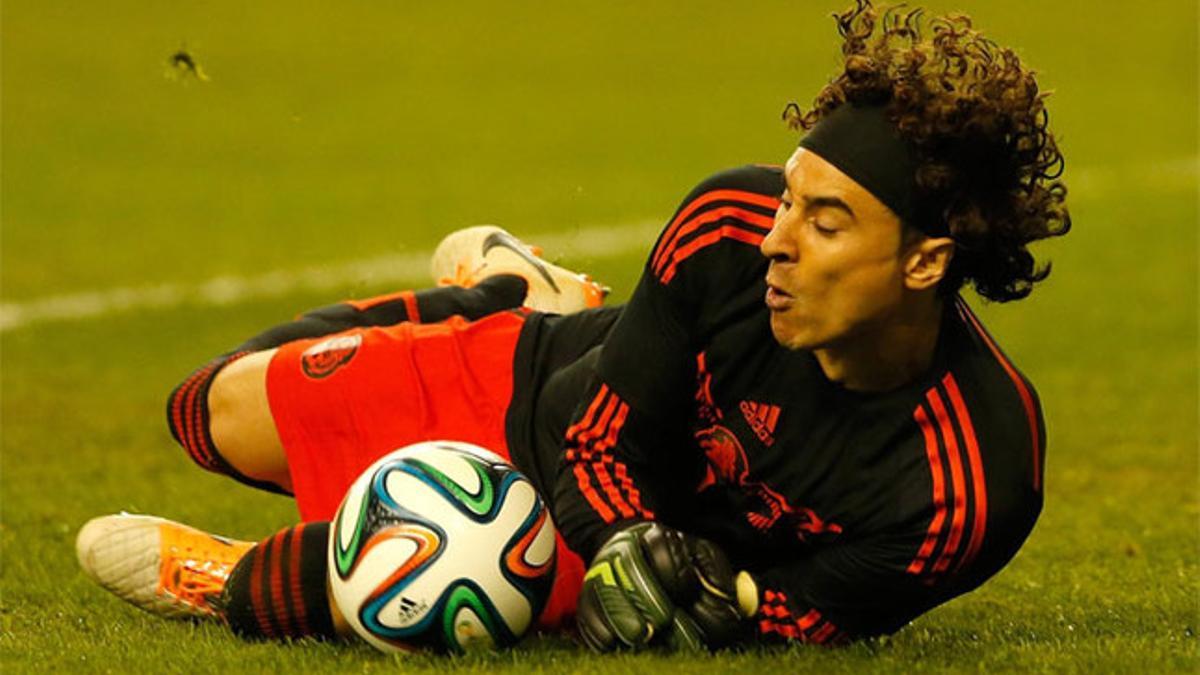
<point>987,165</point>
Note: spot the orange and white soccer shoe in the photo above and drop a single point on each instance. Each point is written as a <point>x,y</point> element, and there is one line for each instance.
<point>161,566</point>
<point>467,256</point>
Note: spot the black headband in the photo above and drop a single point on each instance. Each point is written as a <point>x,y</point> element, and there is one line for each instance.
<point>863,143</point>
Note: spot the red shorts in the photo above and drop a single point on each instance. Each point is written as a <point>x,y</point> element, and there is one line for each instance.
<point>340,402</point>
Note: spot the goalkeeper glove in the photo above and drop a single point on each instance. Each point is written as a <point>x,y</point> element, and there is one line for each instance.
<point>653,585</point>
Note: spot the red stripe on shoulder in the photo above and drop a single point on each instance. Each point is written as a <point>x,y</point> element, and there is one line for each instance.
<point>672,232</point>
<point>1018,381</point>
<point>705,240</point>
<point>668,248</point>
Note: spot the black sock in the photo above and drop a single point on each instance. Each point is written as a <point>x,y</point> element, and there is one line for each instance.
<point>277,590</point>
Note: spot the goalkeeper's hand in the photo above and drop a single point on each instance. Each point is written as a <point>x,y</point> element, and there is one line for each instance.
<point>652,585</point>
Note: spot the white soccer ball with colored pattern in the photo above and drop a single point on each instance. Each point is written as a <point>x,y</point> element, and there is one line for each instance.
<point>441,545</point>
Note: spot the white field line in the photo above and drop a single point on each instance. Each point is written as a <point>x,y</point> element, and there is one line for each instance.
<point>407,268</point>
<point>1086,184</point>
<point>1162,177</point>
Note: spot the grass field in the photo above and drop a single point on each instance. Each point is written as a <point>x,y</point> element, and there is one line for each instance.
<point>340,132</point>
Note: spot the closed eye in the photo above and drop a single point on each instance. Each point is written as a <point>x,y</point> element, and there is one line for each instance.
<point>822,229</point>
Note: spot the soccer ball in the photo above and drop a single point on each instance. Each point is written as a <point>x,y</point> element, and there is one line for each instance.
<point>444,546</point>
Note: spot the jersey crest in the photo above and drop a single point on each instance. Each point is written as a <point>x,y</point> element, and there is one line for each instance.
<point>322,359</point>
<point>767,510</point>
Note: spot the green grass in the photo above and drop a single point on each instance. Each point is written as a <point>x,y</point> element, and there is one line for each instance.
<point>327,135</point>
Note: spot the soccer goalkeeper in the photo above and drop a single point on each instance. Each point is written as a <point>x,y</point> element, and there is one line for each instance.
<point>796,429</point>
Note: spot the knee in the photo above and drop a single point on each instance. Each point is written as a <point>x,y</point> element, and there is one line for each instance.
<point>239,413</point>
<point>221,417</point>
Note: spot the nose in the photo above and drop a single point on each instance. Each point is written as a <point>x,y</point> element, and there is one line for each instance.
<point>776,246</point>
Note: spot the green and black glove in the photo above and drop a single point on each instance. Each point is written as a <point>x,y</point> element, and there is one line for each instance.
<point>651,585</point>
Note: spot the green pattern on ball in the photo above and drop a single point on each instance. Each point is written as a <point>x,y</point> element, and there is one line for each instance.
<point>479,504</point>
<point>345,558</point>
<point>465,596</point>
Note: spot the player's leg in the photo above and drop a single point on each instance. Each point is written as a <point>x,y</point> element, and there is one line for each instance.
<point>220,414</point>
<point>385,388</point>
<point>335,408</point>
<point>240,422</point>
<point>275,588</point>
<point>400,385</point>
<point>227,405</point>
<point>482,269</point>
<point>341,403</point>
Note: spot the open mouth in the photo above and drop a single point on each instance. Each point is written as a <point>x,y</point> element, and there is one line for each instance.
<point>777,299</point>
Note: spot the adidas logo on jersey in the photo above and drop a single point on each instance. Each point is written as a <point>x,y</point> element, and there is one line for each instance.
<point>762,418</point>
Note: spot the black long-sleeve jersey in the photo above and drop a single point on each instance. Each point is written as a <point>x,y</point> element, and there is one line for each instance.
<point>853,512</point>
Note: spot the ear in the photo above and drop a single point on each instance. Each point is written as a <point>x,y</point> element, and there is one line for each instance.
<point>926,262</point>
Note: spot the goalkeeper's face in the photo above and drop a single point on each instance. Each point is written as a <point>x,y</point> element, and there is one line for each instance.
<point>837,264</point>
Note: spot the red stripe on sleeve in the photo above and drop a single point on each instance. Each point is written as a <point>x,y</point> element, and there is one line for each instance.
<point>578,437</point>
<point>808,620</point>
<point>589,493</point>
<point>1019,383</point>
<point>977,479</point>
<point>635,495</point>
<point>957,476</point>
<point>704,199</point>
<point>777,618</point>
<point>598,429</point>
<point>605,479</point>
<point>822,634</point>
<point>706,240</point>
<point>590,444</point>
<point>601,454</point>
<point>606,431</point>
<point>624,481</point>
<point>590,415</point>
<point>939,492</point>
